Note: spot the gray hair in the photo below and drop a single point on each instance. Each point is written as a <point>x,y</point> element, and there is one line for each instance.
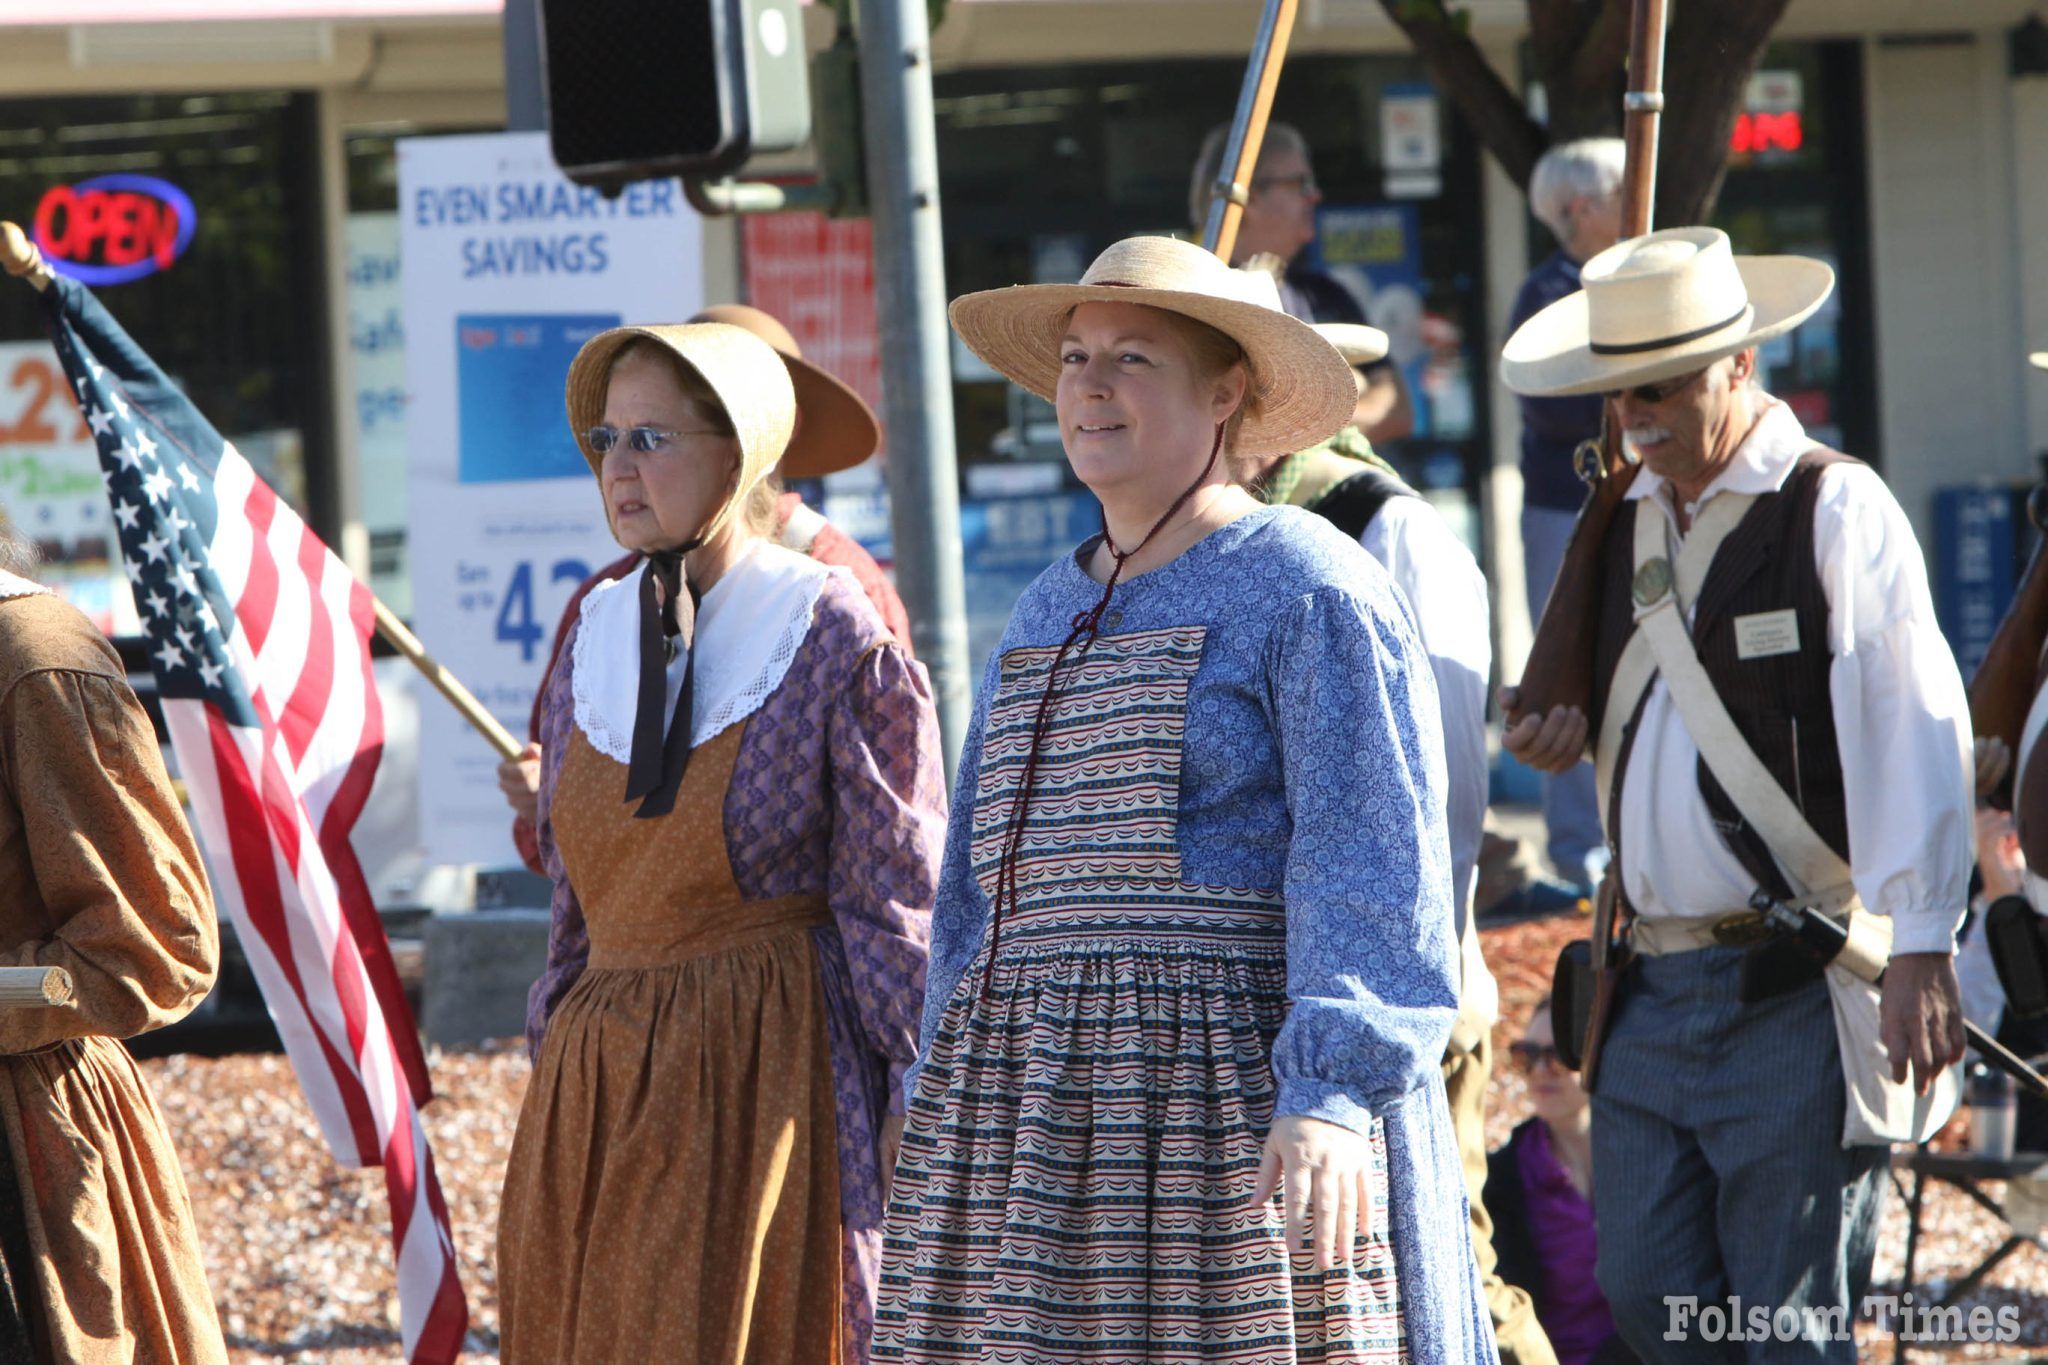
<point>1280,137</point>
<point>1589,168</point>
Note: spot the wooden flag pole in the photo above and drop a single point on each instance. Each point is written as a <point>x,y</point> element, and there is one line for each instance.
<point>20,256</point>
<point>1248,127</point>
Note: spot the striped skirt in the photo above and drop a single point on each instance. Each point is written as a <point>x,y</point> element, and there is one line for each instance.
<point>1078,1164</point>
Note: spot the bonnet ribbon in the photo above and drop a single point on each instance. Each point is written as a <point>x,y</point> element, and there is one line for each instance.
<point>655,773</point>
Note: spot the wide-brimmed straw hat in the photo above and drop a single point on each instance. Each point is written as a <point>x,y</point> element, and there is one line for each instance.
<point>749,378</point>
<point>1303,387</point>
<point>1660,305</point>
<point>1356,342</point>
<point>835,427</point>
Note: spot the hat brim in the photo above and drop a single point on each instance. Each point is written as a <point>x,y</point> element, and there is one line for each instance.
<point>1551,356</point>
<point>1357,343</point>
<point>749,377</point>
<point>835,430</point>
<point>1305,393</point>
<point>2039,360</point>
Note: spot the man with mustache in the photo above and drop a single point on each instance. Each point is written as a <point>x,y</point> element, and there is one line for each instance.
<point>1774,710</point>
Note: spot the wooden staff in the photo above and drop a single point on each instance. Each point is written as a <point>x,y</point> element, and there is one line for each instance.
<point>20,256</point>
<point>1248,127</point>
<point>1559,669</point>
<point>35,987</point>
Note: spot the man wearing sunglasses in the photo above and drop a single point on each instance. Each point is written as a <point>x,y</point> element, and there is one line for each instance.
<point>1280,220</point>
<point>1774,710</point>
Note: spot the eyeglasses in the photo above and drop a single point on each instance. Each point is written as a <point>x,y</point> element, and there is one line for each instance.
<point>1527,1055</point>
<point>1658,392</point>
<point>1305,183</point>
<point>640,440</point>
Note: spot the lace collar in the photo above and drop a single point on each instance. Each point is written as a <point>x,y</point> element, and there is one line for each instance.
<point>749,627</point>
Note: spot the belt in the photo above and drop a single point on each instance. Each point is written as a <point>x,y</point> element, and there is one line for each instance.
<point>1655,936</point>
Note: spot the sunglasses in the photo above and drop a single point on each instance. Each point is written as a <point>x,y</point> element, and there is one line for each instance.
<point>1658,392</point>
<point>1527,1055</point>
<point>640,440</point>
<point>1305,183</point>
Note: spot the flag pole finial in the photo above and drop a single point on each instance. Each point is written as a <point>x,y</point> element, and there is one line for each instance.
<point>20,256</point>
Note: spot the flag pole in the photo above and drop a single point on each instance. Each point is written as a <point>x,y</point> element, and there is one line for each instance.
<point>20,256</point>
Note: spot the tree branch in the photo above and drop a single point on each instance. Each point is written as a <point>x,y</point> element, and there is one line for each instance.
<point>1461,70</point>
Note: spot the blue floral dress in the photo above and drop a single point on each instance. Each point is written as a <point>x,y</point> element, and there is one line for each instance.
<point>1233,902</point>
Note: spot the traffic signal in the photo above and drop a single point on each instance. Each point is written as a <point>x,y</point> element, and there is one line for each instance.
<point>644,89</point>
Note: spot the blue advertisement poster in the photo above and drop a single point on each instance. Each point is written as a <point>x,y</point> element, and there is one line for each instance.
<point>509,374</point>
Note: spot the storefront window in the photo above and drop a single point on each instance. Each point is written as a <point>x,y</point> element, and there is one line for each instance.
<point>231,313</point>
<point>1796,186</point>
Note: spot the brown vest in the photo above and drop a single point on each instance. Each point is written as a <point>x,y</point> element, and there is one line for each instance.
<point>1780,703</point>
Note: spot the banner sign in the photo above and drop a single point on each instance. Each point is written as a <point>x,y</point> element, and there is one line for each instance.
<point>508,268</point>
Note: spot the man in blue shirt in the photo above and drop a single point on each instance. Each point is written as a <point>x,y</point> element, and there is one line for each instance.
<point>1576,192</point>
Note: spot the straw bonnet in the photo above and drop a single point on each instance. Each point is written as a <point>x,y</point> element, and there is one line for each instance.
<point>751,381</point>
<point>1657,306</point>
<point>1303,386</point>
<point>835,429</point>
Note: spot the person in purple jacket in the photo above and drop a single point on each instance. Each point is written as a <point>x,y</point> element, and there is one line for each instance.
<point>1576,192</point>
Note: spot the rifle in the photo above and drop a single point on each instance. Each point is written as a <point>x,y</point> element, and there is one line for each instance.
<point>1248,127</point>
<point>1832,944</point>
<point>1559,669</point>
<point>2003,689</point>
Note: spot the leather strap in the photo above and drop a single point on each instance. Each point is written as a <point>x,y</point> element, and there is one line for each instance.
<point>1660,622</point>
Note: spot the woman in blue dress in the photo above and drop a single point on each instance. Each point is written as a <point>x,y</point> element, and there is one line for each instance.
<point>1177,1095</point>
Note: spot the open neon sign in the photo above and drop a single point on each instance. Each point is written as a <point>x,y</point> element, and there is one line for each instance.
<point>114,228</point>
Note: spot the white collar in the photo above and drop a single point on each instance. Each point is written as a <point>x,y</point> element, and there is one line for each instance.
<point>14,585</point>
<point>1762,462</point>
<point>748,629</point>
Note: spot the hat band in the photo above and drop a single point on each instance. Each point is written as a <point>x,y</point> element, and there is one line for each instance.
<point>1633,347</point>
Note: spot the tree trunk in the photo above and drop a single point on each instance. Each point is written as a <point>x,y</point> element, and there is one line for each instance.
<point>1580,49</point>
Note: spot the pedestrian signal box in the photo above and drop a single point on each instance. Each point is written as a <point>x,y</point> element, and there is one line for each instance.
<point>644,89</point>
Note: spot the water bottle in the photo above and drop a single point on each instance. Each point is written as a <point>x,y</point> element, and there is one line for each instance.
<point>1993,1112</point>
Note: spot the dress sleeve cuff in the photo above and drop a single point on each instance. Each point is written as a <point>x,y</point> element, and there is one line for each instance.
<point>1924,931</point>
<point>1313,1099</point>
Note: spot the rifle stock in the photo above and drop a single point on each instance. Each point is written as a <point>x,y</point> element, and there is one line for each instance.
<point>1559,669</point>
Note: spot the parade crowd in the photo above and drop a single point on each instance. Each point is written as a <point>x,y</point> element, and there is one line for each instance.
<point>1165,1034</point>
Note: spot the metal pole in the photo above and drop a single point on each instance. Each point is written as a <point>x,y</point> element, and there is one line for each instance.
<point>525,99</point>
<point>917,382</point>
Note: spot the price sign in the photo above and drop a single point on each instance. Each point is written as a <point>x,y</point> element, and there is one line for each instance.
<point>51,489</point>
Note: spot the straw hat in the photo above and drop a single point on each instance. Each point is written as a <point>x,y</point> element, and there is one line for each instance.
<point>1357,343</point>
<point>2040,359</point>
<point>835,428</point>
<point>1660,305</point>
<point>751,381</point>
<point>1303,386</point>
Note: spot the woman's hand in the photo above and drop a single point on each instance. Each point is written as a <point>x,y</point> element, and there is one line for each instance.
<point>1551,743</point>
<point>1322,1168</point>
<point>519,779</point>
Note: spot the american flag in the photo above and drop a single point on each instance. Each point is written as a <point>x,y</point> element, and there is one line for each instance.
<point>259,639</point>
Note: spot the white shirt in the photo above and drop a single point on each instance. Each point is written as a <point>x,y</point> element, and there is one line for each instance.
<point>1445,594</point>
<point>1902,719</point>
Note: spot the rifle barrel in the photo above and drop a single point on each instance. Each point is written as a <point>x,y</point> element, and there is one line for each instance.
<point>1248,126</point>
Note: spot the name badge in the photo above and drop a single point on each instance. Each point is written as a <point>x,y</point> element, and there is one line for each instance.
<point>1766,634</point>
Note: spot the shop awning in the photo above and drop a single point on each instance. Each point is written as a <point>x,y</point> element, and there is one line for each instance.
<point>65,13</point>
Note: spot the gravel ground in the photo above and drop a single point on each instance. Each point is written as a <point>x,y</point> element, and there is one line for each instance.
<point>301,1263</point>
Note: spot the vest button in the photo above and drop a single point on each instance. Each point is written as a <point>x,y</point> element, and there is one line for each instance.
<point>1112,620</point>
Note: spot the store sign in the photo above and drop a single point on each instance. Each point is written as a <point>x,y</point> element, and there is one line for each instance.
<point>1760,132</point>
<point>114,228</point>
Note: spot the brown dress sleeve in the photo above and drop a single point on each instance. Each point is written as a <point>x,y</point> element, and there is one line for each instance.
<point>114,890</point>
